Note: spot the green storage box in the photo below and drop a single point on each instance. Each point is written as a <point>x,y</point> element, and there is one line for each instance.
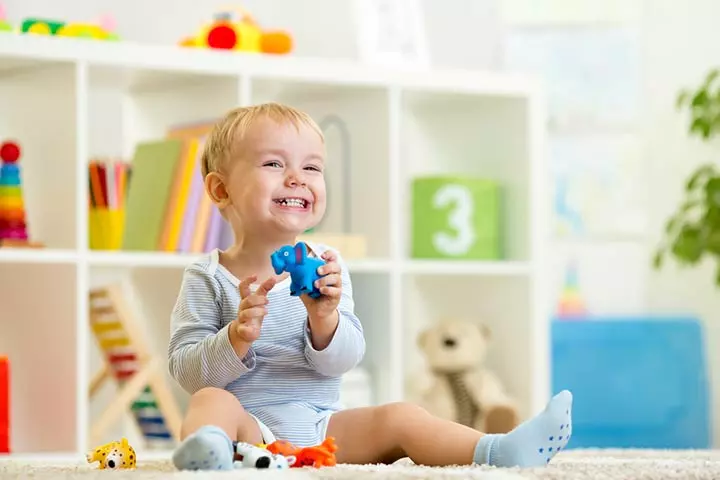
<point>455,217</point>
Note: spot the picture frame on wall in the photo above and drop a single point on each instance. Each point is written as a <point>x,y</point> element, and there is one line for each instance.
<point>391,33</point>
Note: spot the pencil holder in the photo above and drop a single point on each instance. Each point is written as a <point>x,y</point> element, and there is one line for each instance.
<point>455,217</point>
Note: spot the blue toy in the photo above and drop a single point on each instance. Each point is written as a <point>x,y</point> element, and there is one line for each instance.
<point>302,269</point>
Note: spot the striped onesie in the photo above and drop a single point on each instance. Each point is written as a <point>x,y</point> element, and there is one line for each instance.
<point>289,387</point>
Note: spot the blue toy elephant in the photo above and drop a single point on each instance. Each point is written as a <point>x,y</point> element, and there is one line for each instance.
<point>302,269</point>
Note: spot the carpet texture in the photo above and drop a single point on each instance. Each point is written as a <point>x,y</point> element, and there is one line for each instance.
<point>572,464</point>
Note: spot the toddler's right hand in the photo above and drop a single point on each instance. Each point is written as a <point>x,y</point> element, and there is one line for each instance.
<point>252,309</point>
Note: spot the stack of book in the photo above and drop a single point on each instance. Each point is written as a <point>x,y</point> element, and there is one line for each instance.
<point>161,205</point>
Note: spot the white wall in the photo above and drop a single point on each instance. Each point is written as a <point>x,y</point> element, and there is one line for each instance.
<point>682,43</point>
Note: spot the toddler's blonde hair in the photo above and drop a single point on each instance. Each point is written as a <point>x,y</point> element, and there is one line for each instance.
<point>232,127</point>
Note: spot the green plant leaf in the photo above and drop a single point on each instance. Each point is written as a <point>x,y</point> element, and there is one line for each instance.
<point>689,204</point>
<point>698,175</point>
<point>713,241</point>
<point>671,224</point>
<point>688,246</point>
<point>694,229</point>
<point>658,260</point>
<point>700,99</point>
<point>700,127</point>
<point>712,192</point>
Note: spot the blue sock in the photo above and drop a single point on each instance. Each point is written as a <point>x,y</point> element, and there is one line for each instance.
<point>534,442</point>
<point>208,448</point>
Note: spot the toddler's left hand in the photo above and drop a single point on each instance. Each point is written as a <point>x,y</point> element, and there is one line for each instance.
<point>330,287</point>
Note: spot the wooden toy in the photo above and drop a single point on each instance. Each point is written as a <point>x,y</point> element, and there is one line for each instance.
<point>13,223</point>
<point>113,456</point>
<point>237,30</point>
<point>302,268</point>
<point>322,455</point>
<point>143,390</point>
<point>455,218</point>
<point>4,404</point>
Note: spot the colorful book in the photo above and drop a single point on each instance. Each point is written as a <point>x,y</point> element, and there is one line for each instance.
<point>177,202</point>
<point>154,167</point>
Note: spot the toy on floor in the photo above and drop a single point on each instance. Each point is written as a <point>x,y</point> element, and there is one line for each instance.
<point>252,456</point>
<point>322,455</point>
<point>13,226</point>
<point>238,30</point>
<point>113,456</point>
<point>462,387</point>
<point>301,267</point>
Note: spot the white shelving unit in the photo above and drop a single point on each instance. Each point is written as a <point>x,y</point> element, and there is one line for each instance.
<point>68,100</point>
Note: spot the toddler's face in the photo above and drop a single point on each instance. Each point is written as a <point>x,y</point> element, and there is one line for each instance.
<point>277,184</point>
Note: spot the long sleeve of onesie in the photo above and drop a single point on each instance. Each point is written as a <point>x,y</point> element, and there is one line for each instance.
<point>347,346</point>
<point>200,353</point>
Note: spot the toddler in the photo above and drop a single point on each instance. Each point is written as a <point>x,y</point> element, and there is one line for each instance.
<point>261,364</point>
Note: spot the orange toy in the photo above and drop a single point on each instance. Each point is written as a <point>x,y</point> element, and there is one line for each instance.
<point>322,455</point>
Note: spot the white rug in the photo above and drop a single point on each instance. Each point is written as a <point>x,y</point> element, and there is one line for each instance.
<point>572,464</point>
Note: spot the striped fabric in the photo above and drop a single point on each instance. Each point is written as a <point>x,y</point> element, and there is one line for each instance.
<point>282,380</point>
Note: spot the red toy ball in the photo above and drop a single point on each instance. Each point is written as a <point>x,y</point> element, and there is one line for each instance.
<point>9,152</point>
<point>222,37</point>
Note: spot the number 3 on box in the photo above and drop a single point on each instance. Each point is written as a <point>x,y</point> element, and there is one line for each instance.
<point>460,219</point>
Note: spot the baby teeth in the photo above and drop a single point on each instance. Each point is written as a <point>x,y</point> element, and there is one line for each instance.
<point>292,202</point>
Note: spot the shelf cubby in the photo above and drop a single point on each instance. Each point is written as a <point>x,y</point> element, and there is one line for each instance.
<point>354,119</point>
<point>514,343</point>
<point>39,111</point>
<point>38,333</point>
<point>480,136</point>
<point>371,294</point>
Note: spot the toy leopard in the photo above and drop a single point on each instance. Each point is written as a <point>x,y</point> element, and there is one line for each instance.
<point>113,456</point>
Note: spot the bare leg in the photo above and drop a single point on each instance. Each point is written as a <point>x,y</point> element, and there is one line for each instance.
<point>214,406</point>
<point>387,433</point>
<point>213,421</point>
<point>400,430</point>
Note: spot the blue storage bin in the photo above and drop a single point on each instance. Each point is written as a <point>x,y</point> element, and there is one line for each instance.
<point>636,382</point>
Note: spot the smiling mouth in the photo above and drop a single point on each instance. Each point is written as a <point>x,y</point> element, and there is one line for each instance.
<point>292,202</point>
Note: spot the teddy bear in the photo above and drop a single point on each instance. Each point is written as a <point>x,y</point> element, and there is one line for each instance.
<point>462,389</point>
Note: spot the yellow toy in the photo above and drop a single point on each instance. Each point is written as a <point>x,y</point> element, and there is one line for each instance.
<point>60,28</point>
<point>236,29</point>
<point>102,30</point>
<point>114,456</point>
